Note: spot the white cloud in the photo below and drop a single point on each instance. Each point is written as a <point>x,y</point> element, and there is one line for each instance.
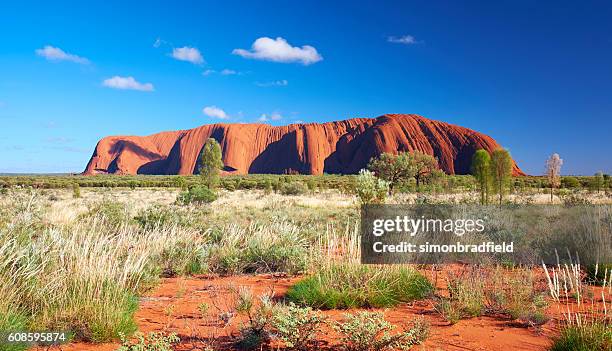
<point>214,111</point>
<point>404,39</point>
<point>279,50</point>
<point>275,83</point>
<point>224,72</point>
<point>275,116</point>
<point>298,121</point>
<point>127,83</point>
<point>56,54</point>
<point>188,54</point>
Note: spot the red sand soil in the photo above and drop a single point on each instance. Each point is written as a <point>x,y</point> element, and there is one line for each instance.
<point>312,148</point>
<point>173,307</point>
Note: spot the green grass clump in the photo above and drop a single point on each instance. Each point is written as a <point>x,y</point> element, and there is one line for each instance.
<point>197,195</point>
<point>590,336</point>
<point>275,247</point>
<point>347,285</point>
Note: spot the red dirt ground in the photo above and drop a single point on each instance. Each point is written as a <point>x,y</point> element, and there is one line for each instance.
<point>173,307</point>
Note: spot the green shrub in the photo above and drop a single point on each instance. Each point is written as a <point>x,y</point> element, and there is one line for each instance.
<point>597,274</point>
<point>297,326</point>
<point>152,342</point>
<point>275,247</point>
<point>197,195</point>
<point>76,190</point>
<point>370,189</point>
<point>293,188</point>
<point>480,291</point>
<point>589,336</point>
<point>369,331</point>
<point>345,286</point>
<point>113,213</point>
<point>256,331</point>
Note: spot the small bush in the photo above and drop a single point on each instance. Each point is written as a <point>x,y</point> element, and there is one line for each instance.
<point>197,195</point>
<point>590,336</point>
<point>297,326</point>
<point>293,188</point>
<point>76,190</point>
<point>369,331</point>
<point>276,247</point>
<point>256,331</point>
<point>345,286</point>
<point>370,189</point>
<point>152,342</point>
<point>597,274</point>
<point>112,213</point>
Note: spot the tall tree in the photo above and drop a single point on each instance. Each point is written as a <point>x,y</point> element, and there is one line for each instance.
<point>501,171</point>
<point>481,161</point>
<point>392,168</point>
<point>425,167</point>
<point>210,163</point>
<point>553,172</point>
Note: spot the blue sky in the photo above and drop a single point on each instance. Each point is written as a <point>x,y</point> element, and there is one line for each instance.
<point>535,75</point>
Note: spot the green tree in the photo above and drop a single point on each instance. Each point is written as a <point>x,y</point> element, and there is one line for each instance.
<point>210,163</point>
<point>425,167</point>
<point>481,161</point>
<point>501,171</point>
<point>392,168</point>
<point>396,169</point>
<point>598,181</point>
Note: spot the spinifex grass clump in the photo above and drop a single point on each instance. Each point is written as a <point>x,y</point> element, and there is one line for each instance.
<point>274,247</point>
<point>587,336</point>
<point>492,291</point>
<point>352,285</point>
<point>82,277</point>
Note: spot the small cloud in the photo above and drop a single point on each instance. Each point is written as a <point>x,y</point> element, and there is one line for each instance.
<point>158,42</point>
<point>215,112</point>
<point>75,149</point>
<point>298,121</point>
<point>59,140</point>
<point>279,50</point>
<point>224,72</point>
<point>56,54</point>
<point>404,39</point>
<point>188,54</point>
<point>275,116</point>
<point>275,83</point>
<point>127,83</point>
<point>50,125</point>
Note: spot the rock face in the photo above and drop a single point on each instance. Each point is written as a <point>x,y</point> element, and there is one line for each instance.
<point>334,147</point>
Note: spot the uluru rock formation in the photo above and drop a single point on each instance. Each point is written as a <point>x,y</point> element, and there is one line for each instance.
<point>312,148</point>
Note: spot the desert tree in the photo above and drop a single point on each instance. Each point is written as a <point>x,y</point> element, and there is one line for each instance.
<point>553,172</point>
<point>394,169</point>
<point>501,171</point>
<point>210,163</point>
<point>425,167</point>
<point>481,161</point>
<point>598,181</point>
